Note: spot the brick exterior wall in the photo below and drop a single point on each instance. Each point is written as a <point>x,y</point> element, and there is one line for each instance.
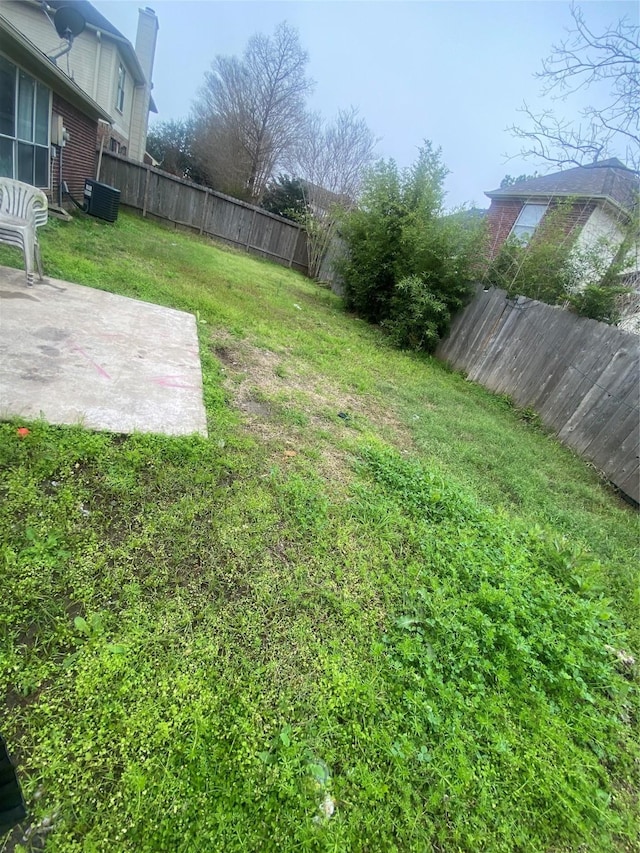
<point>577,217</point>
<point>503,213</point>
<point>112,141</point>
<point>78,155</point>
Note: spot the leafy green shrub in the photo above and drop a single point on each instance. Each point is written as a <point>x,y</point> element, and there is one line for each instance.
<point>539,270</point>
<point>417,315</point>
<point>553,268</point>
<point>599,301</point>
<point>408,266</point>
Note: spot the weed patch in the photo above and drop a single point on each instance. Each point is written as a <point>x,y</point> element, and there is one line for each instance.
<point>377,609</point>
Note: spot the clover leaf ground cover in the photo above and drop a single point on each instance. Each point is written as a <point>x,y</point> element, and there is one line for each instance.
<point>369,612</point>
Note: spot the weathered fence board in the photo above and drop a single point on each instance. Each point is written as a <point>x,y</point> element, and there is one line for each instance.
<point>580,376</point>
<point>168,197</point>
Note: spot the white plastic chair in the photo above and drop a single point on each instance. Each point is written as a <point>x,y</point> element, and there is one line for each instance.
<point>23,209</point>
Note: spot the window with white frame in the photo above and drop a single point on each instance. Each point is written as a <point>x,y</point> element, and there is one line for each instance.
<point>122,76</point>
<point>528,220</point>
<point>25,109</point>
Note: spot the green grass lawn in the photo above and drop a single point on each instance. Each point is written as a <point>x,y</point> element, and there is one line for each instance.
<point>374,590</point>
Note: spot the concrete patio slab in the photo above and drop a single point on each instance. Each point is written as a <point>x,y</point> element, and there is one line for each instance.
<point>75,355</point>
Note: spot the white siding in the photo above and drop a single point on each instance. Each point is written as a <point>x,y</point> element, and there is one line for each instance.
<point>79,63</point>
<point>32,21</point>
<point>596,246</point>
<point>607,232</point>
<point>602,232</point>
<point>137,137</point>
<point>632,259</point>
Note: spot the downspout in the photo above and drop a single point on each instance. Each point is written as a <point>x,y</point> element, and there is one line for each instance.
<point>60,149</point>
<point>100,158</point>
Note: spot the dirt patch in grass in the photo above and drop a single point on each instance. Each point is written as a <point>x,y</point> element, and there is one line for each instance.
<point>287,406</point>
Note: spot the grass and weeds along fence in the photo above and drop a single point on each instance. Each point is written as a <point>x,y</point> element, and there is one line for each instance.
<point>580,376</point>
<point>167,197</point>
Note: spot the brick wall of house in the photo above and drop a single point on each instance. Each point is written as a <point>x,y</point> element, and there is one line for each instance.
<point>501,217</point>
<point>110,140</point>
<point>577,216</point>
<point>78,155</point>
<point>503,213</point>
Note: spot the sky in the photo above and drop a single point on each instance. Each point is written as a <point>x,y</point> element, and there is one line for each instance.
<point>455,72</point>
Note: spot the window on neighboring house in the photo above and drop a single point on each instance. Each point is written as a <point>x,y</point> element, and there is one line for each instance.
<point>113,145</point>
<point>528,220</point>
<point>122,76</point>
<point>25,109</point>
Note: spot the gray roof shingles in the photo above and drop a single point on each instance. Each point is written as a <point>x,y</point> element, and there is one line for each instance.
<point>607,179</point>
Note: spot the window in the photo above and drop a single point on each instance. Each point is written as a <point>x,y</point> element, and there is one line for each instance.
<point>528,220</point>
<point>24,126</point>
<point>122,76</point>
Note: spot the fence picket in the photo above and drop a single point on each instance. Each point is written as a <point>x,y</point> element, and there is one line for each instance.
<point>582,377</point>
<point>189,205</point>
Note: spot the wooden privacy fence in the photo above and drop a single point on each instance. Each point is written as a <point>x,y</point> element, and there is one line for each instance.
<point>165,196</point>
<point>580,376</point>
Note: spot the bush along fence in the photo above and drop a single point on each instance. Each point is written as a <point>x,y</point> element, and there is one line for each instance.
<point>167,197</point>
<point>580,376</point>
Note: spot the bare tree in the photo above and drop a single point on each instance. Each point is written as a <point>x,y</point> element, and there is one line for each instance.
<point>225,163</point>
<point>251,111</point>
<point>331,161</point>
<point>610,59</point>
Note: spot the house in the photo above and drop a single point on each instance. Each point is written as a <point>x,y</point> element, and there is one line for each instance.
<point>48,124</point>
<point>321,200</point>
<point>109,79</point>
<point>602,201</point>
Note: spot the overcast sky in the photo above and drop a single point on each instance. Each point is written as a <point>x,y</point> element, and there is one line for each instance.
<point>452,72</point>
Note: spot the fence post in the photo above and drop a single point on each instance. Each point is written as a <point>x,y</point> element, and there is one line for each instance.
<point>204,211</point>
<point>253,219</point>
<point>146,191</point>
<point>295,246</point>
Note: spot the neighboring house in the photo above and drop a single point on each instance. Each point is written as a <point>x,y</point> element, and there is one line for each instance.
<point>603,204</point>
<point>38,102</point>
<point>102,64</point>
<point>321,201</point>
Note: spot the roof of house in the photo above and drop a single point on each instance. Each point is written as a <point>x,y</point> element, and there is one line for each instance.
<point>90,14</point>
<point>24,52</point>
<point>610,180</point>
